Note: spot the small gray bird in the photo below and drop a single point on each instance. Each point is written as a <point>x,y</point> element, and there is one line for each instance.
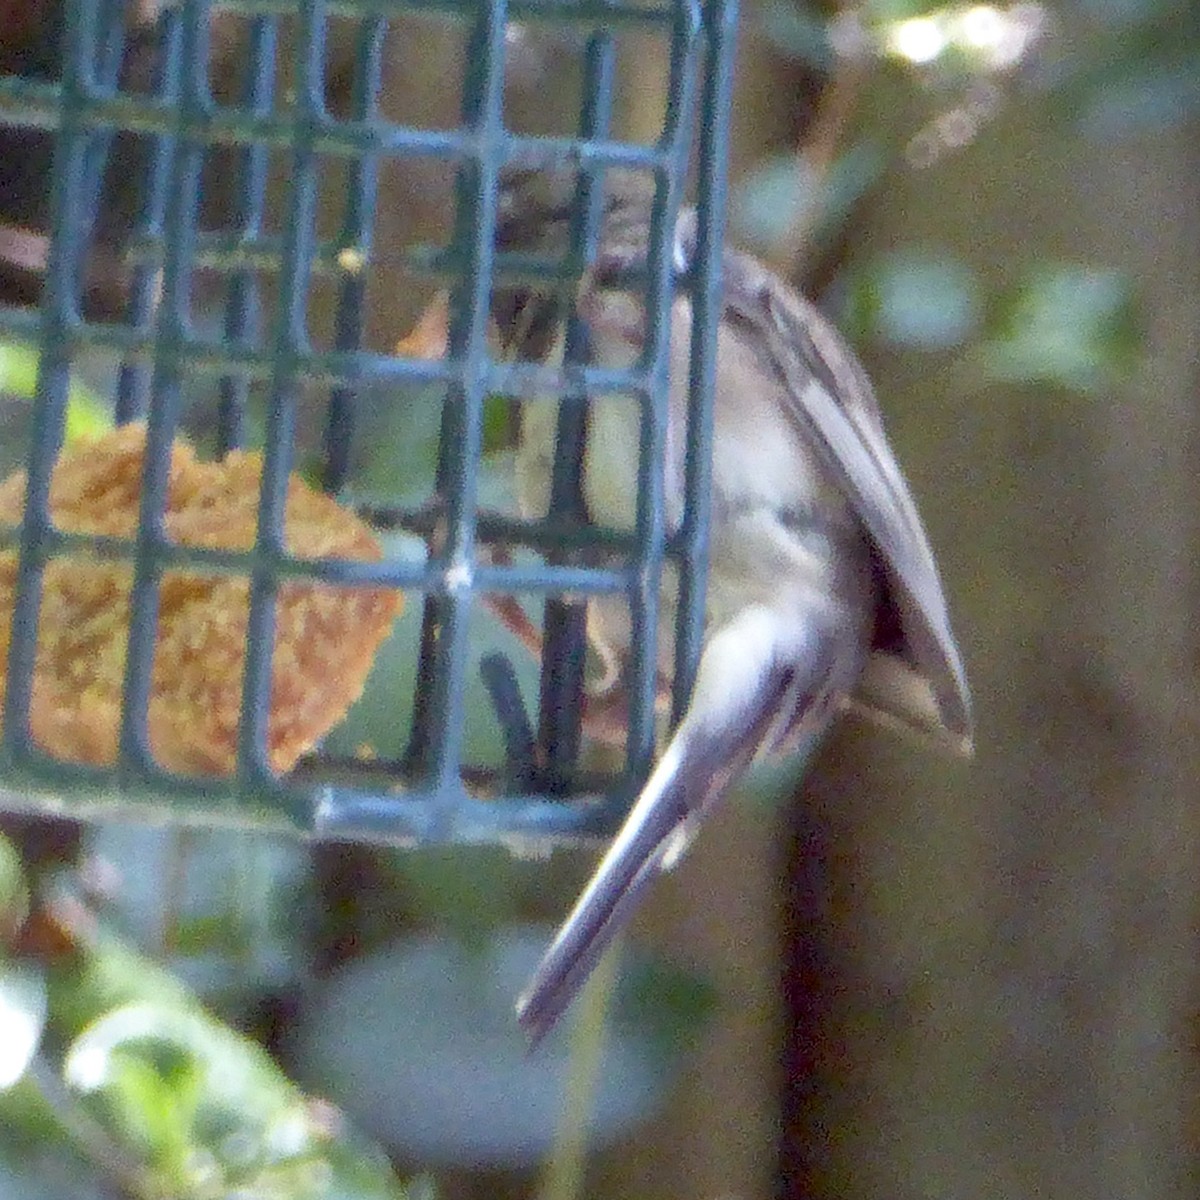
<point>822,590</point>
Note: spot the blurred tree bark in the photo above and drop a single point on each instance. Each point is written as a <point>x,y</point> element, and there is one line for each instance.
<point>1012,945</point>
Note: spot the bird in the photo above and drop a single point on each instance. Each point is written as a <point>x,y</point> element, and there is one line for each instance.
<point>822,591</point>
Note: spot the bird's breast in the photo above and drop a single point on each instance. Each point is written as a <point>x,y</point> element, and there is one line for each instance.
<point>781,533</point>
<point>760,457</point>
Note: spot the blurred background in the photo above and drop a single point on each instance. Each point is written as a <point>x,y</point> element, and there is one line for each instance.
<point>900,977</point>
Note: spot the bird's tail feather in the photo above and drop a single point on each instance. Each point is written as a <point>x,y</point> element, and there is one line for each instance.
<point>700,762</point>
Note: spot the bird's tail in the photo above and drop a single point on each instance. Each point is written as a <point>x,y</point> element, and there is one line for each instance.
<point>718,738</point>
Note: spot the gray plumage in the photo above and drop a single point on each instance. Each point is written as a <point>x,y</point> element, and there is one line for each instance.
<point>822,587</point>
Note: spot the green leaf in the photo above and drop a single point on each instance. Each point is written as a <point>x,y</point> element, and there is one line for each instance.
<point>18,369</point>
<point>1070,325</point>
<point>1136,69</point>
<point>87,414</point>
<point>916,299</point>
<point>497,424</point>
<point>177,1043</point>
<point>143,1101</point>
<point>851,175</point>
<point>203,1110</point>
<point>201,1106</point>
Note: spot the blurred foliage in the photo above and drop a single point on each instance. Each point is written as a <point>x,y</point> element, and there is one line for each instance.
<point>787,195</point>
<point>798,31</point>
<point>1065,325</point>
<point>87,412</point>
<point>1112,68</point>
<point>114,1068</point>
<point>1070,326</point>
<point>461,1086</point>
<point>913,298</point>
<point>229,915</point>
<point>117,1067</point>
<point>1137,69</point>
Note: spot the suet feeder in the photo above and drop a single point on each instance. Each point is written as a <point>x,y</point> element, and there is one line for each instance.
<point>290,560</point>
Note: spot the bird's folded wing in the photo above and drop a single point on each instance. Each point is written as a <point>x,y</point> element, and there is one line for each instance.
<point>834,409</point>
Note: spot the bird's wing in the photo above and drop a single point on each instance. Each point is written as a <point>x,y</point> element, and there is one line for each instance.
<point>835,411</point>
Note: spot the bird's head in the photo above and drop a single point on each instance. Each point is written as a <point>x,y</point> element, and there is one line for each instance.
<point>538,213</point>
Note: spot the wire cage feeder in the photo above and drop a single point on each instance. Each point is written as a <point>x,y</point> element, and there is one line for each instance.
<point>82,120</point>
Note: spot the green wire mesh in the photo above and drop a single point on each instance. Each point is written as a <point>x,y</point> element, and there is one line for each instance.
<point>82,120</point>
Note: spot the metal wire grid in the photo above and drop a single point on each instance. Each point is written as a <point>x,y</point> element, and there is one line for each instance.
<point>424,797</point>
